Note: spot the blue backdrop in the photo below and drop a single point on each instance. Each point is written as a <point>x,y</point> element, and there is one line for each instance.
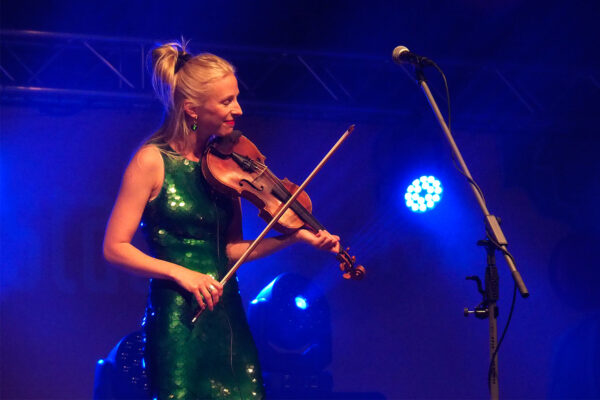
<point>527,130</point>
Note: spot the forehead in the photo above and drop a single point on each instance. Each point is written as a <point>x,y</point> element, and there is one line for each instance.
<point>223,87</point>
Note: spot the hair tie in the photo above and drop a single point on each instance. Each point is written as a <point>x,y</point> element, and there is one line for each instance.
<point>182,58</point>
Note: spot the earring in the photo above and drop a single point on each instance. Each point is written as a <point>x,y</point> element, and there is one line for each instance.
<point>195,124</point>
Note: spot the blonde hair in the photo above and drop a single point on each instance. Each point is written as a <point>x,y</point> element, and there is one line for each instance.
<point>188,83</point>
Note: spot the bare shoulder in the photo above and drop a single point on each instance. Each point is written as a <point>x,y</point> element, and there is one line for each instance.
<point>148,159</point>
<point>146,167</point>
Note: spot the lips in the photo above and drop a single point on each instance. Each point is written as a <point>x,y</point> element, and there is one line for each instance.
<point>230,123</point>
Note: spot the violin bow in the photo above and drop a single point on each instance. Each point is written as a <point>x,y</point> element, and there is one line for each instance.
<point>281,211</point>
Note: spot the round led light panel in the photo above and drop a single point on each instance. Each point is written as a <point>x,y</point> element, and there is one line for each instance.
<point>423,194</point>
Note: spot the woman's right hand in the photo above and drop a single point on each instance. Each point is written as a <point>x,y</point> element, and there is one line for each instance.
<point>204,287</point>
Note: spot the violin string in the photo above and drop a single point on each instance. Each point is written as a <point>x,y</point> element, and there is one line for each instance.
<point>298,208</point>
<point>262,168</point>
<point>305,215</point>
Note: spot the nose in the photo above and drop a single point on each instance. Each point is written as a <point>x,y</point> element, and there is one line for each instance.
<point>236,109</point>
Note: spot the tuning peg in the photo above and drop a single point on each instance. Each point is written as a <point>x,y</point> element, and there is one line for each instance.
<point>358,273</point>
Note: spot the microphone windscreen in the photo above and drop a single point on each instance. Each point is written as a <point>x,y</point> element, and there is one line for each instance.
<point>397,53</point>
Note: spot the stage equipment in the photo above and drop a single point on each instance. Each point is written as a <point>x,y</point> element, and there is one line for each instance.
<point>496,240</point>
<point>401,55</point>
<point>122,375</point>
<point>291,323</point>
<point>423,194</point>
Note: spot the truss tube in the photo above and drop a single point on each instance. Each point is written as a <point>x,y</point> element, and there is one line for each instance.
<point>314,74</point>
<point>108,64</point>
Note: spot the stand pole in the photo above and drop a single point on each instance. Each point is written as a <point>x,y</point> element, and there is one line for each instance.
<point>496,241</point>
<point>492,225</point>
<point>490,296</point>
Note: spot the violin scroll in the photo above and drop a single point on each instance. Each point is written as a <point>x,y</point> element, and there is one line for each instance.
<point>350,271</point>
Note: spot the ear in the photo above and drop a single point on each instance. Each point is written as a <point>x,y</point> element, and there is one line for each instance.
<point>188,107</point>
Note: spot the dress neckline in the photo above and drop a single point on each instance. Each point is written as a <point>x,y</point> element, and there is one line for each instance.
<point>186,159</point>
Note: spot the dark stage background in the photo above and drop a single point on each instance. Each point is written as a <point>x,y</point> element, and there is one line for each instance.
<point>525,94</point>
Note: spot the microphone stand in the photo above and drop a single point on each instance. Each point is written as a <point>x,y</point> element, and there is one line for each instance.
<point>496,242</point>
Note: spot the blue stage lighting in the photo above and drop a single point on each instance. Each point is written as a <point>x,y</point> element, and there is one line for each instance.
<point>423,194</point>
<point>123,375</point>
<point>292,326</point>
<point>301,302</point>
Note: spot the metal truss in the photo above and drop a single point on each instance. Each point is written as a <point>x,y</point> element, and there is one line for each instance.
<point>111,71</point>
<point>36,63</point>
<point>106,70</point>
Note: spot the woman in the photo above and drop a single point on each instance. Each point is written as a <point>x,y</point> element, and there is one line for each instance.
<point>194,235</point>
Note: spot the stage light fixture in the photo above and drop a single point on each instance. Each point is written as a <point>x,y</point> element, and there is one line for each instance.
<point>423,194</point>
<point>301,302</point>
<point>291,323</point>
<point>122,375</point>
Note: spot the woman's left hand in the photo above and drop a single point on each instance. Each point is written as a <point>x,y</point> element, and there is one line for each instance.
<point>322,240</point>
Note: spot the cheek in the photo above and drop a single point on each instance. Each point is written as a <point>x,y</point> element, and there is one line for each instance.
<point>209,116</point>
<point>217,113</point>
<point>224,113</point>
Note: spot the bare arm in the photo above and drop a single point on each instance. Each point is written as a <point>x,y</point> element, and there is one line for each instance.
<point>143,179</point>
<point>237,246</point>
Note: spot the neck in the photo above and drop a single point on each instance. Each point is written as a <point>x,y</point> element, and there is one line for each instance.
<point>192,148</point>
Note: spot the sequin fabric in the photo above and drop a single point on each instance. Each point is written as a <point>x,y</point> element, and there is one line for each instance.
<point>216,357</point>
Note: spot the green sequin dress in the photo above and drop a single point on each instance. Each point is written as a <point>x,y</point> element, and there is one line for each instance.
<point>215,358</point>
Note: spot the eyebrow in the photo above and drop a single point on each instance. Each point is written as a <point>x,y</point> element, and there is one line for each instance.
<point>231,96</point>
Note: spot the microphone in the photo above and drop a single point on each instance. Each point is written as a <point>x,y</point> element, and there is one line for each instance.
<point>401,55</point>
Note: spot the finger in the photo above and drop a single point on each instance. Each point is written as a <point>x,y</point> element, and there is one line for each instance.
<point>199,299</point>
<point>335,248</point>
<point>322,243</point>
<point>322,235</point>
<point>326,232</point>
<point>219,287</point>
<point>207,297</point>
<point>331,237</point>
<point>329,241</point>
<point>214,292</point>
<point>216,297</point>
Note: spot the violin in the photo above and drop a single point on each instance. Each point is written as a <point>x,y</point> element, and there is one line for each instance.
<point>234,166</point>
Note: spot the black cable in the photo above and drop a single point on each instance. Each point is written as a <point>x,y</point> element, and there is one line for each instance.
<point>505,251</point>
<point>454,162</point>
<point>512,308</point>
<point>447,91</point>
<point>501,248</point>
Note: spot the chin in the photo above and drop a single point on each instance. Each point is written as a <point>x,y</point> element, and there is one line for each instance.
<point>225,132</point>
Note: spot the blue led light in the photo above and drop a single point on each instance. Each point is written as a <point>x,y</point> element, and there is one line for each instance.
<point>423,194</point>
<point>301,302</point>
